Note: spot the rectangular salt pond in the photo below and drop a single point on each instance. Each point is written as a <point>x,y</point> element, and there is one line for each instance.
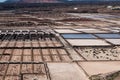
<point>109,36</point>
<point>91,30</point>
<point>66,31</point>
<point>93,68</point>
<point>114,41</point>
<point>87,42</point>
<point>78,36</point>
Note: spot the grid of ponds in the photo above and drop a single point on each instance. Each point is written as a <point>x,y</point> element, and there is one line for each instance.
<point>92,39</point>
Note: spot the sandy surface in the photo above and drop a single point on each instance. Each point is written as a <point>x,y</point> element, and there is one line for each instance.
<point>99,53</point>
